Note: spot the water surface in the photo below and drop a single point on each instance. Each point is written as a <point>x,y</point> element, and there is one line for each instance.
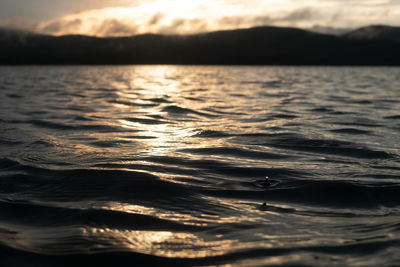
<point>167,165</point>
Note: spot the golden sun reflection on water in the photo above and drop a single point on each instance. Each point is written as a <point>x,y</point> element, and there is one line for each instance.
<point>159,111</point>
<point>162,243</point>
<point>144,99</point>
<point>195,244</point>
<point>181,244</point>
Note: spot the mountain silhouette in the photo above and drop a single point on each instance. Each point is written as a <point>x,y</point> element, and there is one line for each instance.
<point>253,46</point>
<point>375,32</point>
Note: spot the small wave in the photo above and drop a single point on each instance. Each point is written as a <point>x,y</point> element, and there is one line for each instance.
<point>14,96</point>
<point>350,131</point>
<point>226,169</point>
<point>184,111</point>
<point>211,134</point>
<point>101,128</point>
<point>158,100</point>
<point>195,99</point>
<point>6,164</point>
<point>20,257</point>
<point>265,84</point>
<point>394,117</point>
<point>355,123</point>
<point>139,137</point>
<point>325,146</point>
<point>82,118</point>
<point>213,110</point>
<point>146,121</point>
<point>41,143</point>
<point>362,102</point>
<point>282,116</point>
<point>79,108</point>
<point>235,152</point>
<point>100,89</point>
<point>91,184</point>
<point>132,104</point>
<point>109,143</point>
<point>53,214</point>
<point>4,142</point>
<point>52,125</point>
<point>105,95</point>
<point>154,168</point>
<point>322,110</point>
<point>333,194</point>
<point>64,126</point>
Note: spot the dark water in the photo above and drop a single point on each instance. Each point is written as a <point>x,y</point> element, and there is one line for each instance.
<point>166,165</point>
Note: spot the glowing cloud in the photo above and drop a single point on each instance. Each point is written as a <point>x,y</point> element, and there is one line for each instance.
<point>186,17</point>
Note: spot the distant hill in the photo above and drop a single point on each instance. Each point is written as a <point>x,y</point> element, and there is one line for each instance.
<point>259,45</point>
<point>375,32</point>
<point>329,30</point>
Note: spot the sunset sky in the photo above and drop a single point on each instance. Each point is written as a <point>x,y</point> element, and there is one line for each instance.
<point>129,17</point>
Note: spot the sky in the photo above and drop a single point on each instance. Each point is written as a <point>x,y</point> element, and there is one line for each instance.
<point>130,17</point>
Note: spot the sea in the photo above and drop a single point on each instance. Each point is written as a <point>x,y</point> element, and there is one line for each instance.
<point>163,165</point>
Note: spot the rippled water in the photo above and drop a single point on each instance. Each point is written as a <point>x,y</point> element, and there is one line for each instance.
<point>167,165</point>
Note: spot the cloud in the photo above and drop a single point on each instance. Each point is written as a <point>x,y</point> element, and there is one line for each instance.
<point>179,26</point>
<point>289,19</point>
<point>114,27</point>
<point>58,26</point>
<point>194,16</point>
<point>172,17</point>
<point>155,19</point>
<point>301,14</point>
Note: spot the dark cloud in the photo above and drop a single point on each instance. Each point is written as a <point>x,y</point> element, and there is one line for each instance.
<point>263,20</point>
<point>114,27</point>
<point>335,17</point>
<point>298,15</point>
<point>237,21</point>
<point>58,26</point>
<point>155,19</point>
<point>177,23</point>
<point>180,25</point>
